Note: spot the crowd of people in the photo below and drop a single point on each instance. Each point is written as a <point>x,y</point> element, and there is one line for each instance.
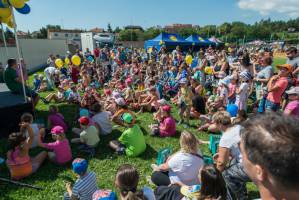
<point>235,93</point>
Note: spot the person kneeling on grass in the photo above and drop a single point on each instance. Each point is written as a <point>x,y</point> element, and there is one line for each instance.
<point>167,126</point>
<point>85,185</point>
<point>89,136</point>
<point>131,141</point>
<point>61,148</point>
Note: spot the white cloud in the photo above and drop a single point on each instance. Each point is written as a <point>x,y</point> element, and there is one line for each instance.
<point>265,7</point>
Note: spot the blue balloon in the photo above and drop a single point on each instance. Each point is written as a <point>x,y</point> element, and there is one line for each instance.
<point>232,109</point>
<point>194,63</point>
<point>90,58</point>
<point>25,10</point>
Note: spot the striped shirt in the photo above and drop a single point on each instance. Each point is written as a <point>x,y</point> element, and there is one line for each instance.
<point>85,186</point>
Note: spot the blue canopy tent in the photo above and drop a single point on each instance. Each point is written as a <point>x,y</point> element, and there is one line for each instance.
<point>170,41</point>
<point>197,40</point>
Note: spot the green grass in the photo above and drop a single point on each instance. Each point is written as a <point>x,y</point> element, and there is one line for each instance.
<point>51,177</point>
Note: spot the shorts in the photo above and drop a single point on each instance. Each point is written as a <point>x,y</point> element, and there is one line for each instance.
<point>271,106</point>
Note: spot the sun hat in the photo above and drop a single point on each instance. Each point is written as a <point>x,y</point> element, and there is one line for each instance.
<point>120,101</point>
<point>127,117</point>
<point>84,120</point>
<point>57,130</point>
<point>116,95</point>
<point>293,90</point>
<point>166,108</point>
<point>191,192</point>
<point>79,165</point>
<point>104,195</point>
<point>287,66</point>
<point>232,109</point>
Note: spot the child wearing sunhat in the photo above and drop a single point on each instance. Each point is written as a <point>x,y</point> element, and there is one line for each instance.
<point>167,126</point>
<point>85,185</point>
<point>131,141</point>
<point>293,106</point>
<point>60,149</point>
<point>89,135</point>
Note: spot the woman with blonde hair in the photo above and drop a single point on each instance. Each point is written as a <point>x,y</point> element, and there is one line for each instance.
<point>182,167</point>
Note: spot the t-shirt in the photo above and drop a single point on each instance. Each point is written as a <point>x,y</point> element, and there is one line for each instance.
<point>85,186</point>
<point>230,140</point>
<point>62,150</point>
<point>170,127</point>
<point>293,106</point>
<point>265,73</point>
<point>103,120</point>
<point>134,141</point>
<point>294,62</point>
<point>90,136</point>
<point>241,98</point>
<point>224,94</point>
<point>184,168</point>
<point>57,119</point>
<point>275,96</point>
<point>10,75</point>
<point>35,131</point>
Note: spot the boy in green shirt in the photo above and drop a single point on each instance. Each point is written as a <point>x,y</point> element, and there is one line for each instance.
<point>131,141</point>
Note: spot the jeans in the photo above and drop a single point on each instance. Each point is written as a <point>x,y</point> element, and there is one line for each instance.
<point>271,106</point>
<point>66,196</point>
<point>236,179</point>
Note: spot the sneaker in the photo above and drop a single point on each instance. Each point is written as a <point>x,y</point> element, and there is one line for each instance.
<point>154,167</point>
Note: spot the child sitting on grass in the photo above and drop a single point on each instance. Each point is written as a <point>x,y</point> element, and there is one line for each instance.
<point>28,118</point>
<point>89,136</point>
<point>85,185</point>
<point>55,118</point>
<point>56,97</point>
<point>167,126</point>
<point>131,141</point>
<point>61,148</point>
<point>19,163</point>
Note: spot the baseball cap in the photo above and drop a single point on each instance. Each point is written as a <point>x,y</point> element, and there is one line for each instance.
<point>79,165</point>
<point>162,102</point>
<point>287,66</point>
<point>57,130</point>
<point>191,192</point>
<point>84,121</point>
<point>104,195</point>
<point>293,90</point>
<point>127,117</point>
<point>120,101</point>
<point>166,108</point>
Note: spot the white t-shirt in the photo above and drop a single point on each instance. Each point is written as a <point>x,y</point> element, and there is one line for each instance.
<point>49,70</point>
<point>103,119</point>
<point>231,139</point>
<point>184,168</point>
<point>241,98</point>
<point>35,131</point>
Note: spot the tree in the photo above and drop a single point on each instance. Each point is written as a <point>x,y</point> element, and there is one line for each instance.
<point>109,29</point>
<point>44,31</point>
<point>128,35</point>
<point>117,30</point>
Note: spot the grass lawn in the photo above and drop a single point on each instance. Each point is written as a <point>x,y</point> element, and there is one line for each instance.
<point>51,177</point>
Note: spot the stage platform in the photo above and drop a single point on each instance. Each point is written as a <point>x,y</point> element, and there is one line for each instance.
<point>12,106</point>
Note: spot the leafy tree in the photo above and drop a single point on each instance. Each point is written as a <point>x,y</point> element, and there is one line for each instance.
<point>117,30</point>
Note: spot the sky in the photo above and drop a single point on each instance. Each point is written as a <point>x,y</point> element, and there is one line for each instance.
<point>89,14</point>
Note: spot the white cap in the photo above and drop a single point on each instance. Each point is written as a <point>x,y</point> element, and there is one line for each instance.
<point>162,102</point>
<point>120,101</point>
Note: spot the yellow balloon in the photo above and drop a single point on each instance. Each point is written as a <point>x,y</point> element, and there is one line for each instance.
<point>58,63</point>
<point>5,12</point>
<point>188,59</point>
<point>17,3</point>
<point>208,70</point>
<point>10,24</point>
<point>6,20</point>
<point>76,60</point>
<point>67,61</point>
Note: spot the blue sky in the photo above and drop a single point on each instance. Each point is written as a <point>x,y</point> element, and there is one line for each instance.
<point>97,13</point>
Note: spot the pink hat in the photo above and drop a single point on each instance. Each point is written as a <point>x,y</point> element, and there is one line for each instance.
<point>129,81</point>
<point>166,108</point>
<point>57,130</point>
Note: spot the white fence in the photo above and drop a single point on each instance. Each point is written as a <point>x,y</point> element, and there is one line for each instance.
<point>35,51</point>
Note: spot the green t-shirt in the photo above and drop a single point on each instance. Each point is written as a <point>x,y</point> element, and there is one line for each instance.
<point>10,75</point>
<point>134,141</point>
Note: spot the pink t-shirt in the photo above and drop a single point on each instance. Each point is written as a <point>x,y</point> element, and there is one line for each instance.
<point>170,125</point>
<point>232,89</point>
<point>61,149</point>
<point>57,119</point>
<point>293,106</point>
<point>275,96</point>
